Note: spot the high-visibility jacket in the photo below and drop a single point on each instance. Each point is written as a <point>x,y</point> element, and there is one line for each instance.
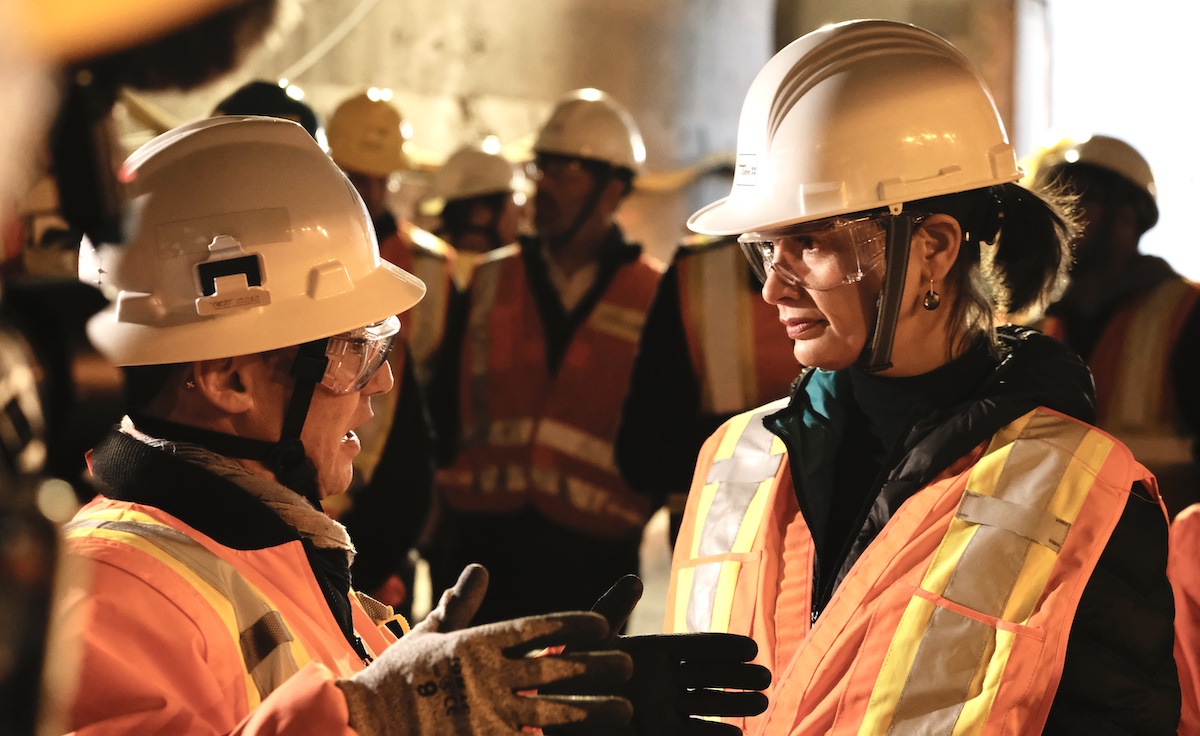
<point>1183,568</point>
<point>529,437</point>
<point>954,619</point>
<point>739,350</point>
<point>430,259</point>
<point>1135,393</point>
<point>179,634</point>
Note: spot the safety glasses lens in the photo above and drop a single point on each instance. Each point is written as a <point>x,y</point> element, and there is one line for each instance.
<point>356,356</point>
<point>818,256</point>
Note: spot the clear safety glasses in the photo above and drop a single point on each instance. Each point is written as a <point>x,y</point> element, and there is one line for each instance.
<point>355,356</point>
<point>819,255</point>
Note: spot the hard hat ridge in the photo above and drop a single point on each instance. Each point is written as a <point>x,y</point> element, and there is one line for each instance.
<point>245,238</point>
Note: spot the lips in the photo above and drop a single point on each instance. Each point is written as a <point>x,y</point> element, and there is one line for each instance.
<point>800,327</point>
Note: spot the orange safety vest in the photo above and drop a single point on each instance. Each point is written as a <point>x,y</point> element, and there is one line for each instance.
<point>1135,396</point>
<point>217,630</point>
<point>955,618</point>
<point>430,259</point>
<point>528,437</point>
<point>1183,570</point>
<point>740,352</point>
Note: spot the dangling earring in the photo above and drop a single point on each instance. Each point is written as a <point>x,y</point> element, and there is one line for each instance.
<point>932,299</point>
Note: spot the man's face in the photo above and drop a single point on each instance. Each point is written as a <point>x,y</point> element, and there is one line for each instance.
<point>328,434</point>
<point>564,186</point>
<point>330,442</point>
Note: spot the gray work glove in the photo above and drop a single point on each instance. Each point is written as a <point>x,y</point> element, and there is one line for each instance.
<point>442,679</point>
<point>678,676</point>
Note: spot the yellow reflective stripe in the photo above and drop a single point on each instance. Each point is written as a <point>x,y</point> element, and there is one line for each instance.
<point>722,608</point>
<point>976,710</point>
<point>711,591</point>
<point>244,609</point>
<point>428,318</point>
<point>484,289</point>
<point>683,594</point>
<point>1137,402</point>
<point>716,305</point>
<point>733,433</point>
<point>945,663</point>
<point>219,603</point>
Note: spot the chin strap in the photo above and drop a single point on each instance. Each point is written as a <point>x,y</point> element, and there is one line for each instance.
<point>558,241</point>
<point>285,458</point>
<point>878,356</point>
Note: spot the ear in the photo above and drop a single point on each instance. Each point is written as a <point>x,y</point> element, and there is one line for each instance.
<point>936,245</point>
<point>226,383</point>
<point>614,192</point>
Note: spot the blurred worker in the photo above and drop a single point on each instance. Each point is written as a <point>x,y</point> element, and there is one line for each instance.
<point>528,396</point>
<point>711,348</point>
<point>259,97</point>
<point>366,139</point>
<point>1129,315</point>
<point>928,536</point>
<point>53,55</point>
<point>254,318</point>
<point>482,196</point>
<point>1184,571</point>
<point>390,501</point>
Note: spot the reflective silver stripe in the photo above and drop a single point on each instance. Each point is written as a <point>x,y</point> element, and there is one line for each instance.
<point>1033,524</point>
<point>263,634</point>
<point>577,444</point>
<point>739,480</point>
<point>954,647</point>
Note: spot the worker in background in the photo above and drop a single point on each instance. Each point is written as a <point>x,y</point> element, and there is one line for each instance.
<point>366,139</point>
<point>928,536</point>
<point>1129,315</point>
<point>389,505</point>
<point>528,395</point>
<point>259,97</point>
<point>482,198</point>
<point>711,348</point>
<point>254,319</point>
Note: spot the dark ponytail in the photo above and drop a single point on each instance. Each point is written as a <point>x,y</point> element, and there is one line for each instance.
<point>1015,253</point>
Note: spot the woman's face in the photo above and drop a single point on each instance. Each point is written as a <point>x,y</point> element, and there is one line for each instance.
<point>830,327</point>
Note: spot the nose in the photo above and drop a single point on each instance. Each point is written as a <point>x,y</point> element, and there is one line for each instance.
<point>381,382</point>
<point>776,289</point>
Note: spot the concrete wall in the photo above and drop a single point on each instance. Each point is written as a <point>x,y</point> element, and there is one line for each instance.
<point>464,69</point>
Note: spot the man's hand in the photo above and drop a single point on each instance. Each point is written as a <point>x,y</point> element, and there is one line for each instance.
<point>446,679</point>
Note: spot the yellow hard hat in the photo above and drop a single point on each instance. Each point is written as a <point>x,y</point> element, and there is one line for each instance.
<point>367,135</point>
<point>1102,152</point>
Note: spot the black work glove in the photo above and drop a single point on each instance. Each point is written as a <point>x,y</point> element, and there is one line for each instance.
<point>441,679</point>
<point>677,676</point>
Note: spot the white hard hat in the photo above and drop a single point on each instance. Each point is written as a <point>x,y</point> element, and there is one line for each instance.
<point>590,124</point>
<point>858,116</point>
<point>1107,153</point>
<point>367,135</point>
<point>473,172</point>
<point>244,237</point>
